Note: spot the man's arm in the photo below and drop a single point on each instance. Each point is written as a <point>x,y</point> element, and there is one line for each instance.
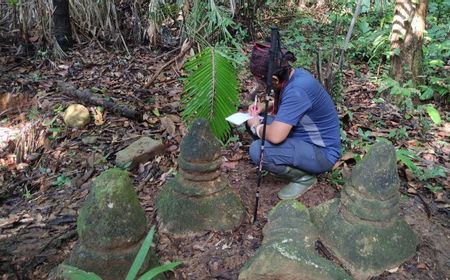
<point>276,132</point>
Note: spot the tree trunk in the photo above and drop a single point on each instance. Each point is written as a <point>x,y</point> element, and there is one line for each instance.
<point>349,32</point>
<point>379,7</point>
<point>418,28</point>
<point>61,20</point>
<point>407,39</point>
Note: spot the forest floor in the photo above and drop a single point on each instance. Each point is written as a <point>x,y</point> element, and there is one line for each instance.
<point>44,185</point>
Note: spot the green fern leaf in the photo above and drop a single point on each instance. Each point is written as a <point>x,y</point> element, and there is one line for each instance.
<point>210,90</point>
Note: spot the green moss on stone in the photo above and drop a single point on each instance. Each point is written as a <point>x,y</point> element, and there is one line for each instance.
<point>376,174</point>
<point>179,213</point>
<point>198,188</point>
<point>287,259</point>
<point>319,212</point>
<point>111,216</point>
<point>366,248</point>
<point>369,209</point>
<point>288,207</point>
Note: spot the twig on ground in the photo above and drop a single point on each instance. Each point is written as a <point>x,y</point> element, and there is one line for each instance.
<point>424,203</point>
<point>92,99</point>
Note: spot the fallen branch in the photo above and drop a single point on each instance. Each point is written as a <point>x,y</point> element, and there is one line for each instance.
<point>87,97</point>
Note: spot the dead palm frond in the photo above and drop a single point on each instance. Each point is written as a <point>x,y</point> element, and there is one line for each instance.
<point>97,20</point>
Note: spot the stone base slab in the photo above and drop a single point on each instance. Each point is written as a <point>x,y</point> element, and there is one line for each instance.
<point>179,213</point>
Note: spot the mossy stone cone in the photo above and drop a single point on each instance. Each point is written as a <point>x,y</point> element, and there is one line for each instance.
<point>366,250</point>
<point>112,216</point>
<point>111,226</point>
<point>372,191</point>
<point>199,198</point>
<point>290,218</point>
<point>288,249</point>
<point>363,228</point>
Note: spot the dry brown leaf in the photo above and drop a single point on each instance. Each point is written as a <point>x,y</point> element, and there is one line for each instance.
<point>353,131</point>
<point>174,105</point>
<point>199,247</point>
<point>444,131</point>
<point>409,175</point>
<point>440,197</point>
<point>411,143</point>
<point>172,148</point>
<point>174,118</point>
<point>393,270</point>
<point>98,116</point>
<point>429,157</point>
<point>44,184</point>
<point>168,125</point>
<point>412,191</point>
<point>347,156</point>
<point>150,118</point>
<point>447,184</point>
<point>236,156</point>
<point>379,134</point>
<point>421,266</point>
<point>22,166</point>
<point>174,92</point>
<point>230,164</point>
<point>11,161</point>
<point>182,130</point>
<point>338,164</point>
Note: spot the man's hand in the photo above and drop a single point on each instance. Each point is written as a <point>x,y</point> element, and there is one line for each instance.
<point>254,110</point>
<point>253,121</point>
<point>259,108</point>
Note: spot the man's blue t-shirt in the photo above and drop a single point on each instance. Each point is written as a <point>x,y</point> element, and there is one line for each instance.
<point>306,106</point>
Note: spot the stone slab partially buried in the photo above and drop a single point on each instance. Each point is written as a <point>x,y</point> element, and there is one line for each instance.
<point>140,151</point>
<point>288,249</point>
<point>199,197</point>
<point>363,228</point>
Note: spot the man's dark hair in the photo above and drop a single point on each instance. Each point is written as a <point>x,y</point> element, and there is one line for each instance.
<point>259,62</point>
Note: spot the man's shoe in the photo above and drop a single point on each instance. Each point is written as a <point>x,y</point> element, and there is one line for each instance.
<point>300,182</point>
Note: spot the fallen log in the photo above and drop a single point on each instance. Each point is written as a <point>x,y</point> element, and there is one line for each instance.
<point>89,98</point>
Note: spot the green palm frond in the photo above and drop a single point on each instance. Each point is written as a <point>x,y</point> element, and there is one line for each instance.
<point>210,90</point>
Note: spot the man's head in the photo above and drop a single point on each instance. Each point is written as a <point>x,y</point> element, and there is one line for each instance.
<point>259,63</point>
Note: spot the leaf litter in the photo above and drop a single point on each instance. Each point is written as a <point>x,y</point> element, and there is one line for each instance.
<point>47,168</point>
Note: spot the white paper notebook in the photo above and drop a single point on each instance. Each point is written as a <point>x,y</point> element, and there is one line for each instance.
<point>238,118</point>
